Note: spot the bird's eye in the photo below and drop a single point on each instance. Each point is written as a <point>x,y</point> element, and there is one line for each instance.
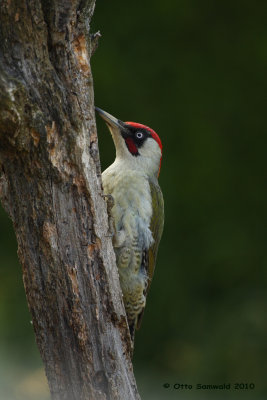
<point>139,135</point>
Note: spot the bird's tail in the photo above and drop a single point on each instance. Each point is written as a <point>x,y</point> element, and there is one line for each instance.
<point>132,334</point>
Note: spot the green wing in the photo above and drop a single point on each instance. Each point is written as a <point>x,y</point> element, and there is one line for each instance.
<point>156,227</point>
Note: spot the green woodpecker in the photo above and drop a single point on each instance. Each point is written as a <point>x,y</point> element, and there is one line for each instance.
<point>138,209</point>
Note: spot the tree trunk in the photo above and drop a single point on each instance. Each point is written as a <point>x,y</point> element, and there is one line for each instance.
<point>50,184</point>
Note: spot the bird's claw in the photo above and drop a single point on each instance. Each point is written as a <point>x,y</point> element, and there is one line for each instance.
<point>109,200</point>
<point>110,204</point>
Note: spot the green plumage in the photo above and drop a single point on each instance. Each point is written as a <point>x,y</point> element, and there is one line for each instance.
<point>137,212</point>
<point>156,227</point>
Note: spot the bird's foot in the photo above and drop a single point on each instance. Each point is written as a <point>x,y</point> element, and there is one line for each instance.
<point>110,201</point>
<point>110,204</point>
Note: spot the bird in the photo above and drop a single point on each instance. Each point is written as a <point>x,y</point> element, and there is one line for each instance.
<point>136,209</point>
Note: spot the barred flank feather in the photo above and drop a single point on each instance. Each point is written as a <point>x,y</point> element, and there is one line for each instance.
<point>156,227</point>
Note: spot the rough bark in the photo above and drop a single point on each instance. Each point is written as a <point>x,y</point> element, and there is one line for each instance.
<point>50,184</point>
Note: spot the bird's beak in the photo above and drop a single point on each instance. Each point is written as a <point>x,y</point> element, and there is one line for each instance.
<point>110,120</point>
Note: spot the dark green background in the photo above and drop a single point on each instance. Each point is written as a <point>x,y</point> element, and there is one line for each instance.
<point>196,72</point>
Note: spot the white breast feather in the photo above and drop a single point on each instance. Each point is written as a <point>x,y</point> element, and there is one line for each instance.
<point>132,210</point>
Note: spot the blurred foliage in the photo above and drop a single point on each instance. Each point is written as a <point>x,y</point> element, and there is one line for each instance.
<point>195,71</point>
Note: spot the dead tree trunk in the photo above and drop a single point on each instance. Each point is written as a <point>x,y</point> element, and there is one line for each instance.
<point>51,187</point>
